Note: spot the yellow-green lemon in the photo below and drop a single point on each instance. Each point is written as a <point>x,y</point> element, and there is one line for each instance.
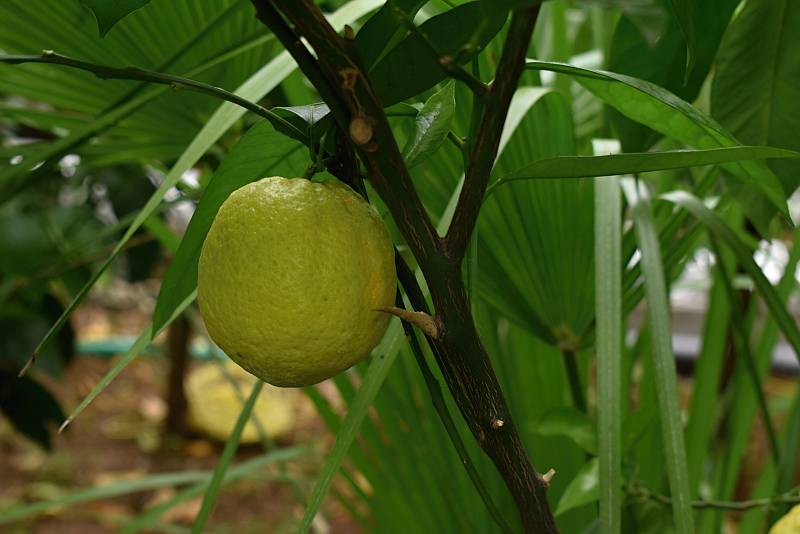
<point>290,277</point>
<point>788,524</point>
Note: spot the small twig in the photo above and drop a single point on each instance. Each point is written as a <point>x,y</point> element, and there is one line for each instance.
<point>487,142</point>
<point>421,320</point>
<point>177,82</point>
<point>786,498</point>
<point>743,350</point>
<point>448,64</point>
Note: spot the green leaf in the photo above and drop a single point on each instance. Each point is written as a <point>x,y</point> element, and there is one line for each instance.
<point>411,67</point>
<point>741,418</point>
<point>569,422</point>
<point>663,61</point>
<point>159,480</point>
<point>634,163</point>
<point>225,459</point>
<point>701,427</point>
<point>536,237</point>
<point>667,114</point>
<point>433,123</point>
<point>744,256</point>
<point>261,152</point>
<point>756,94</point>
<point>109,12</point>
<point>684,10</point>
<point>382,31</point>
<point>658,315</point>
<point>383,356</point>
<point>608,318</point>
<point>583,489</point>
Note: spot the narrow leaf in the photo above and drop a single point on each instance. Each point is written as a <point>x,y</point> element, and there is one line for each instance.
<point>159,480</point>
<point>583,489</point>
<point>225,459</point>
<point>608,317</point>
<point>383,357</point>
<point>745,258</point>
<point>433,123</point>
<point>634,163</point>
<point>139,345</point>
<point>109,13</point>
<point>658,314</point>
<point>412,67</point>
<point>667,114</point>
<point>569,422</point>
<point>382,32</point>
<point>756,94</point>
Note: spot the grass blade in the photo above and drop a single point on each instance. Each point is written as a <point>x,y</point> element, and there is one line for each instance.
<point>637,162</point>
<point>658,313</point>
<point>744,352</point>
<point>382,360</point>
<point>745,258</point>
<point>139,345</point>
<point>159,480</point>
<point>227,455</point>
<point>608,296</point>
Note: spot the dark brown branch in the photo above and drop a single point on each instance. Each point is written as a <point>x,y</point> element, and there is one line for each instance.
<point>459,352</point>
<point>357,110</point>
<point>484,149</point>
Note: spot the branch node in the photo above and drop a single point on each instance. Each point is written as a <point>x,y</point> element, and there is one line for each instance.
<point>360,131</point>
<point>547,477</point>
<point>349,77</point>
<point>421,320</point>
<point>47,52</point>
<point>349,34</point>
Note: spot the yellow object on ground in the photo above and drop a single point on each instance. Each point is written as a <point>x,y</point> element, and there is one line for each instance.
<point>290,277</point>
<point>788,524</point>
<point>214,405</point>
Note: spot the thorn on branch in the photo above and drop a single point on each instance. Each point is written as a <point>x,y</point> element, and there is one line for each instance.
<point>421,320</point>
<point>349,78</point>
<point>547,477</point>
<point>349,34</point>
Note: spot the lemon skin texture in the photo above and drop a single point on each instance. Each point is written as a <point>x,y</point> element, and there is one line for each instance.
<point>290,277</point>
<point>788,524</point>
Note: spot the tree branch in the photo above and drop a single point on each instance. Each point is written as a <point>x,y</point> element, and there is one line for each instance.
<point>487,142</point>
<point>457,347</point>
<point>177,82</point>
<point>341,80</point>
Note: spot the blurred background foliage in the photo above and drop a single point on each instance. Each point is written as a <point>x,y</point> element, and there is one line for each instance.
<point>95,170</point>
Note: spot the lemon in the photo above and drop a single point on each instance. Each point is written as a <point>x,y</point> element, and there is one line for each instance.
<point>788,524</point>
<point>214,404</point>
<point>290,277</point>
